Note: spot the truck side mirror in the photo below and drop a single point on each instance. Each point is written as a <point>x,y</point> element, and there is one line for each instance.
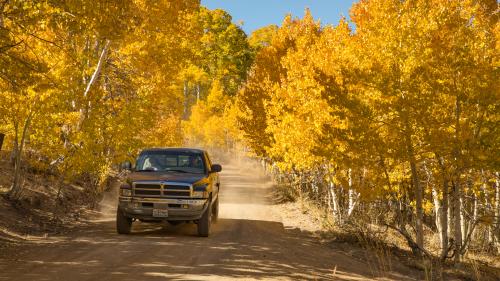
<point>126,166</point>
<point>215,168</point>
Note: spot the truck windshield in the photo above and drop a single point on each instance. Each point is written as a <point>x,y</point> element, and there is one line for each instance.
<point>163,161</point>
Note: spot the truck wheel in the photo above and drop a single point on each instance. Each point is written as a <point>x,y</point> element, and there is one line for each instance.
<point>123,224</point>
<point>205,221</point>
<point>215,210</point>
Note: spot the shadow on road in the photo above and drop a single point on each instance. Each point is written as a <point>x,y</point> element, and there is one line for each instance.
<point>236,249</point>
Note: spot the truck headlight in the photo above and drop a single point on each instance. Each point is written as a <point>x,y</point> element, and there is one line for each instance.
<point>200,194</point>
<point>125,192</point>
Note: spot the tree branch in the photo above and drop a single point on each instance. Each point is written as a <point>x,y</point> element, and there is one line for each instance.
<point>97,70</point>
<point>416,249</point>
<point>6,47</point>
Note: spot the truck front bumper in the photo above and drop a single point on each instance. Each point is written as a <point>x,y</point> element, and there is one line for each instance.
<point>178,209</point>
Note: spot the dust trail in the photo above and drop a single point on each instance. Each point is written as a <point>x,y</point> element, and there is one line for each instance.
<point>246,191</point>
<point>107,206</point>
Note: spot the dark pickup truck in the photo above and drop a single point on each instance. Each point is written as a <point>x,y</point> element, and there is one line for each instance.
<point>170,184</point>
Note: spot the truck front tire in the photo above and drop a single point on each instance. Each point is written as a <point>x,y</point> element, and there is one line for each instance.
<point>215,210</point>
<point>205,222</point>
<point>123,224</point>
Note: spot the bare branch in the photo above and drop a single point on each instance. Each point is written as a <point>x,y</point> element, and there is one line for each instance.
<point>7,47</point>
<point>97,69</point>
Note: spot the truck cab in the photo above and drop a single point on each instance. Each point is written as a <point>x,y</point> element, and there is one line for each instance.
<point>170,185</point>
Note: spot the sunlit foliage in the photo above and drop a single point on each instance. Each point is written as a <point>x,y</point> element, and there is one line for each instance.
<point>401,109</point>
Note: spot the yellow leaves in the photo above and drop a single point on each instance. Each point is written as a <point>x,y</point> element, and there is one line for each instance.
<point>165,132</point>
<point>135,100</point>
<point>262,37</point>
<point>212,122</point>
<point>216,100</point>
<point>298,105</point>
<point>428,207</point>
<point>194,74</point>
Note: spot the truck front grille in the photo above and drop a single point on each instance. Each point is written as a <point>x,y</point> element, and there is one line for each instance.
<point>148,192</point>
<point>167,190</point>
<point>148,186</point>
<point>177,187</point>
<point>176,193</point>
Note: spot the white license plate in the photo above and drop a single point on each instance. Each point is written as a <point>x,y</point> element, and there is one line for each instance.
<point>160,213</point>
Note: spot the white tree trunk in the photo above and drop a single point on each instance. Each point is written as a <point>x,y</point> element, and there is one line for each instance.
<point>419,227</point>
<point>474,214</point>
<point>98,68</point>
<point>457,195</point>
<point>457,187</point>
<point>450,216</point>
<point>186,92</point>
<point>352,194</point>
<point>337,214</point>
<point>84,111</point>
<point>329,198</point>
<point>438,209</point>
<point>438,213</point>
<point>463,222</point>
<point>445,219</point>
<point>487,205</point>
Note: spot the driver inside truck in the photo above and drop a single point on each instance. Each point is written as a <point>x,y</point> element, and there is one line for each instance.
<point>152,163</point>
<point>195,162</point>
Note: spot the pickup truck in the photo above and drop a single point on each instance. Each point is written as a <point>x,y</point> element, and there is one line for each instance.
<point>170,185</point>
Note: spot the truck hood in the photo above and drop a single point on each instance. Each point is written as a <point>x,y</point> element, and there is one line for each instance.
<point>167,176</point>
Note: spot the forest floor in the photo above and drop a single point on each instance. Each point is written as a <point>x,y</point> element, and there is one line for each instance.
<point>43,209</point>
<point>256,238</point>
<point>382,249</point>
<point>380,246</point>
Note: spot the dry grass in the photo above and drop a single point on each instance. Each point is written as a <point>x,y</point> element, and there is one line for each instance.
<point>383,249</point>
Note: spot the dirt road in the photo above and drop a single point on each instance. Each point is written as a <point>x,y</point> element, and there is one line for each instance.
<point>248,242</point>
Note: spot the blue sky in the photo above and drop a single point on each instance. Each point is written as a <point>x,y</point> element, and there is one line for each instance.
<point>258,13</point>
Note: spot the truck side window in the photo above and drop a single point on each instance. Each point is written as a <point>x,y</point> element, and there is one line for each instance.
<point>209,163</point>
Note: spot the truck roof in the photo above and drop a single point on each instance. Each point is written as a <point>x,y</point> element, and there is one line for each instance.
<point>173,149</point>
